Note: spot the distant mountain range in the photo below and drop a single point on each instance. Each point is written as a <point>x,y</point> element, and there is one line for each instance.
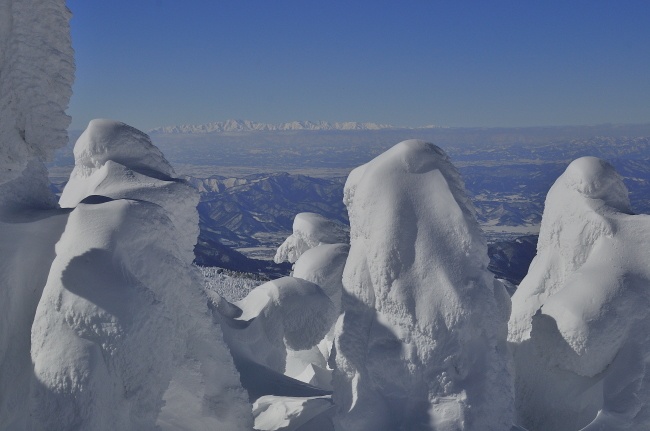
<point>252,126</point>
<point>247,210</point>
<point>255,214</point>
<point>258,210</point>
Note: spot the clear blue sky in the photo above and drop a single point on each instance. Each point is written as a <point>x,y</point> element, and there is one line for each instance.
<point>155,63</point>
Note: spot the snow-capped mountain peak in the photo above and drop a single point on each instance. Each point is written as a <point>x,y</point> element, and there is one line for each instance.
<point>252,126</point>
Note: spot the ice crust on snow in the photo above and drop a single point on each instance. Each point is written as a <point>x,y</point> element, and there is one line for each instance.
<point>579,324</point>
<point>421,343</point>
<point>122,336</point>
<point>36,75</point>
<point>309,230</point>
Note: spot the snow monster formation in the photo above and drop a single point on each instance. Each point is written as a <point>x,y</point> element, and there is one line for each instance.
<point>122,337</point>
<point>36,75</point>
<point>309,231</point>
<point>278,336</point>
<point>318,248</point>
<point>287,313</point>
<point>321,259</point>
<point>421,343</point>
<point>580,324</point>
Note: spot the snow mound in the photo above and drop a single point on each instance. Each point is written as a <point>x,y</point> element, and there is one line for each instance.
<point>580,317</point>
<point>596,179</point>
<point>288,313</point>
<point>422,340</point>
<point>300,307</point>
<point>36,75</point>
<point>309,230</point>
<point>273,320</point>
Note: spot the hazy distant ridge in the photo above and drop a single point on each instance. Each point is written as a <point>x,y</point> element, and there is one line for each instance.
<point>250,126</point>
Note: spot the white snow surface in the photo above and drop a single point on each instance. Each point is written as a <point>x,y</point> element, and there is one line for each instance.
<point>122,337</point>
<point>36,75</point>
<point>323,265</point>
<point>105,140</point>
<point>27,241</point>
<point>580,322</point>
<point>274,321</point>
<point>421,343</point>
<point>287,313</point>
<point>28,192</point>
<point>274,413</point>
<point>315,375</point>
<point>115,160</point>
<point>309,230</point>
